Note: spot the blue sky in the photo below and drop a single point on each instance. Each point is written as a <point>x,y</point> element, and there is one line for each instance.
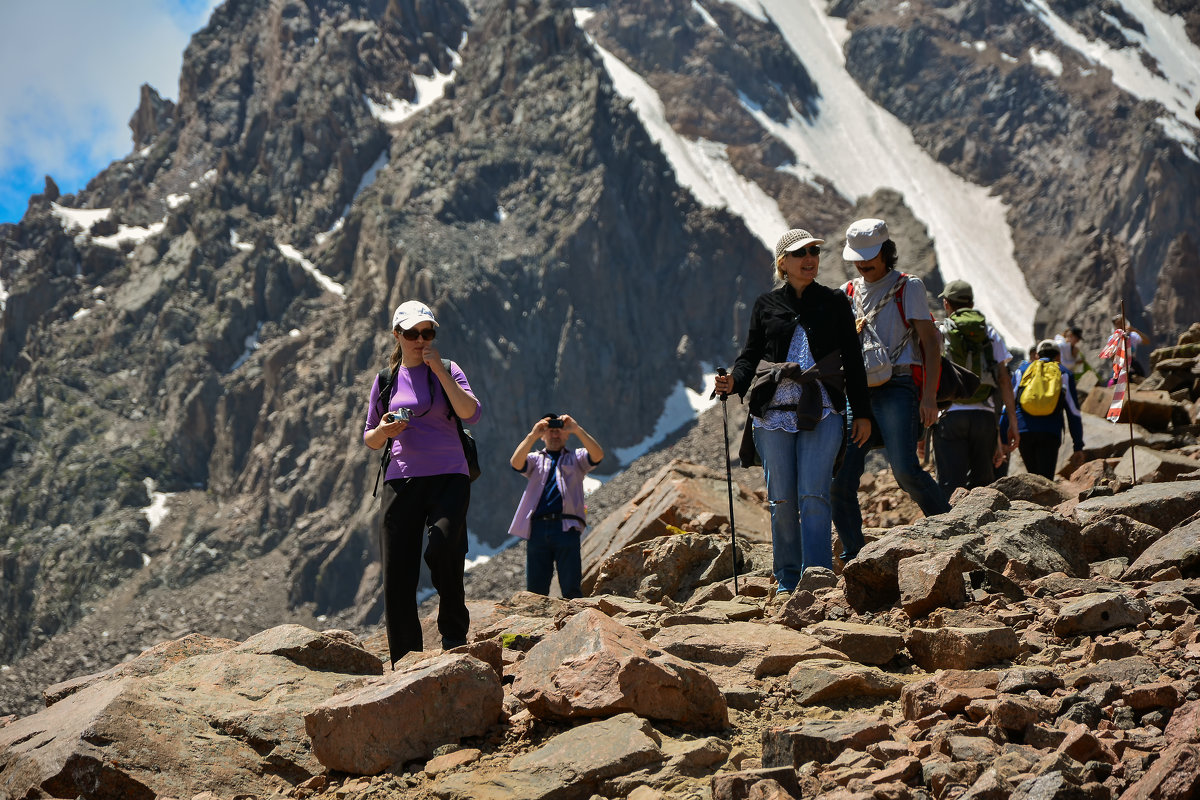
<point>71,74</point>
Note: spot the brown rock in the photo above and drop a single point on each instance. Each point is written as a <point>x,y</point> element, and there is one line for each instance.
<point>1126,671</point>
<point>1117,535</point>
<point>962,648</point>
<point>1163,505</point>
<point>596,667</point>
<point>1083,746</point>
<point>161,657</point>
<point>821,740</point>
<point>747,646</point>
<point>1153,695</point>
<point>336,651</point>
<point>800,610</point>
<point>737,785</point>
<point>571,765</point>
<point>1175,775</point>
<point>673,499</point>
<point>1030,488</point>
<point>1185,724</point>
<point>669,566</point>
<point>947,692</point>
<point>455,696</point>
<point>821,680</point>
<point>1099,612</point>
<point>866,644</point>
<point>1180,548</point>
<point>1154,466</point>
<point>933,581</point>
<point>449,761</point>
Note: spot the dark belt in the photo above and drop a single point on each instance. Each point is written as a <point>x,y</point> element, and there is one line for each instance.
<point>557,517</point>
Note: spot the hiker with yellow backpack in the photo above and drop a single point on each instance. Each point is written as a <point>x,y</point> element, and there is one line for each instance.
<point>1045,392</point>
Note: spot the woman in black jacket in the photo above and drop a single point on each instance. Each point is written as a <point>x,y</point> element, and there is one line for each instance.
<point>801,363</point>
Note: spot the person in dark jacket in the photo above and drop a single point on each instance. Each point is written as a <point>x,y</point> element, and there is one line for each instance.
<point>801,362</point>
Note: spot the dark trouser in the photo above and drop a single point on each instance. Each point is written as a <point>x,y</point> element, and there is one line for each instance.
<point>437,503</point>
<point>1039,451</point>
<point>896,429</point>
<point>550,546</point>
<point>964,443</point>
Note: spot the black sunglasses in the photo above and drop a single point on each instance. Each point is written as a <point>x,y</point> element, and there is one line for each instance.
<point>412,334</point>
<point>811,250</point>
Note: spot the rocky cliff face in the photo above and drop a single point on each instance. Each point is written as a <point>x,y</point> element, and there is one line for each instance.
<point>528,207</point>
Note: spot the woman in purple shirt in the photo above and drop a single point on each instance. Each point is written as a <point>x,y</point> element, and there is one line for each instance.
<point>426,485</point>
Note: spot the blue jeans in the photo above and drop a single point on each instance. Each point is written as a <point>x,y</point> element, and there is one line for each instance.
<point>897,428</point>
<point>798,469</point>
<point>549,546</point>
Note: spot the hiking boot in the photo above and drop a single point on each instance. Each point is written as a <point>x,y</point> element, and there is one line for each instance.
<point>450,644</point>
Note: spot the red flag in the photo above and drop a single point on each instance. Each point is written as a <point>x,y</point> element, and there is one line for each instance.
<point>1116,348</point>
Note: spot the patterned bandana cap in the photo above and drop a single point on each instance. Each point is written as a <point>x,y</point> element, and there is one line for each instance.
<point>793,240</point>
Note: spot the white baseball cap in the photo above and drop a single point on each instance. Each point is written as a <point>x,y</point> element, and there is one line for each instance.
<point>864,239</point>
<point>411,312</point>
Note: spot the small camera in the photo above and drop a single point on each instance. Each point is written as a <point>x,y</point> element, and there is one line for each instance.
<point>554,423</point>
<point>399,415</point>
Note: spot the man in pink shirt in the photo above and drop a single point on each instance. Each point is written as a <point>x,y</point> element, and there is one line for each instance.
<point>551,515</point>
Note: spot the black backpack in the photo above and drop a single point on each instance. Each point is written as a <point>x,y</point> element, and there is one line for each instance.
<point>387,380</point>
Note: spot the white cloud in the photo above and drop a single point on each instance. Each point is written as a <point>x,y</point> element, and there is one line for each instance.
<point>72,70</point>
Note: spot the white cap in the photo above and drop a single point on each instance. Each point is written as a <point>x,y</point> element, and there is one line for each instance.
<point>411,312</point>
<point>864,238</point>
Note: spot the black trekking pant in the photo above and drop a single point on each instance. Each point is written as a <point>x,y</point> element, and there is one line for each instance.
<point>436,504</point>
<point>1039,451</point>
<point>964,443</point>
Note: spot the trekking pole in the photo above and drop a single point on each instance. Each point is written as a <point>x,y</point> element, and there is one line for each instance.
<point>729,478</point>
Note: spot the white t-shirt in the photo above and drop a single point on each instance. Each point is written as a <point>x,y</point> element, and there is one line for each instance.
<point>888,325</point>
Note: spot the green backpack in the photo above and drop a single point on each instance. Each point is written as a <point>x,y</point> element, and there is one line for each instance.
<point>968,345</point>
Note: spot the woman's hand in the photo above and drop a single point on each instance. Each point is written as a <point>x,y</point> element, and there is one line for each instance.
<point>860,431</point>
<point>433,359</point>
<point>723,384</point>
<point>391,429</point>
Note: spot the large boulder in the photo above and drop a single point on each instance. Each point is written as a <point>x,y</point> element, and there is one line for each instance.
<point>571,765</point>
<point>443,699</point>
<point>1099,612</point>
<point>1163,505</point>
<point>144,730</point>
<point>1117,536</point>
<point>596,667</point>
<point>673,565</point>
<point>962,648</point>
<point>681,497</point>
<point>1180,548</point>
<point>749,648</point>
<point>985,528</point>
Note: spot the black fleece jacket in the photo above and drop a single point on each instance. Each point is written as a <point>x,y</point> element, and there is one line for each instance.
<point>828,322</point>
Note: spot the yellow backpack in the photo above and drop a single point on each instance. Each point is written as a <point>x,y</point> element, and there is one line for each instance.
<point>1041,388</point>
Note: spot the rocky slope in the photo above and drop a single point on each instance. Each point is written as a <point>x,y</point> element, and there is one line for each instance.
<point>1030,643</point>
<point>215,330</point>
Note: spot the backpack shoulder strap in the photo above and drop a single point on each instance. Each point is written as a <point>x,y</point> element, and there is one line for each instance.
<point>387,382</point>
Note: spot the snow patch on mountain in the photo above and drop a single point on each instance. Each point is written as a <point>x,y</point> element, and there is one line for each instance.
<point>701,166</point>
<point>327,283</point>
<point>1165,41</point>
<point>860,148</point>
<point>429,90</point>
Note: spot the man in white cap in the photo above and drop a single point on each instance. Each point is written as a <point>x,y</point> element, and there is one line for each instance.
<point>895,308</point>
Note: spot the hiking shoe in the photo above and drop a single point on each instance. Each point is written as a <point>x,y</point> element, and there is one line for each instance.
<point>450,644</point>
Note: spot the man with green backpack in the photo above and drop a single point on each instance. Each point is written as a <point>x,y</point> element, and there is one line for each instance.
<point>966,438</point>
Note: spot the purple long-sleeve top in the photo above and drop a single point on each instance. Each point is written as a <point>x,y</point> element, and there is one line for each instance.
<point>430,444</point>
